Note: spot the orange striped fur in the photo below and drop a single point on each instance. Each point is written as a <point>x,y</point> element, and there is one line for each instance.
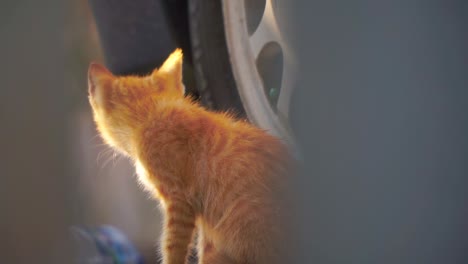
<point>212,173</point>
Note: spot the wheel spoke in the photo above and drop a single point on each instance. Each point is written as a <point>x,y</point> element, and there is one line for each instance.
<point>287,85</point>
<point>267,31</point>
<point>259,53</point>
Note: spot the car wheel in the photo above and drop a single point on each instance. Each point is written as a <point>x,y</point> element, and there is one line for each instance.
<point>243,61</point>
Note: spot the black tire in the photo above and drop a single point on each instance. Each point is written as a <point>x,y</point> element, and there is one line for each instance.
<point>213,71</point>
<point>135,35</point>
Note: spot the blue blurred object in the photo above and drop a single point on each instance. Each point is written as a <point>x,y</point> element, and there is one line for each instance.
<point>104,245</point>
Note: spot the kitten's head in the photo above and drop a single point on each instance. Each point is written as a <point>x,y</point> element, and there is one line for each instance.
<point>121,103</point>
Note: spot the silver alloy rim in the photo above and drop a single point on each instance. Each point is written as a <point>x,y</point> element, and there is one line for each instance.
<point>245,51</point>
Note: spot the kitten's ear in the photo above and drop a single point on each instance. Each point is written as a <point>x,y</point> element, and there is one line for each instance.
<point>170,73</point>
<point>96,73</point>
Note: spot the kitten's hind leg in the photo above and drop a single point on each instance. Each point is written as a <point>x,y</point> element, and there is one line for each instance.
<point>179,227</point>
<point>208,254</point>
<point>212,256</point>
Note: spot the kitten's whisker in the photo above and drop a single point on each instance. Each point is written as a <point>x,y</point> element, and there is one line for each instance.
<point>99,155</point>
<point>97,146</point>
<point>93,138</point>
<point>102,153</point>
<point>119,158</point>
<point>105,163</point>
<point>114,155</point>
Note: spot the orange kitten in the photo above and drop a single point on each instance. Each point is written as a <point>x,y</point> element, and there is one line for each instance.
<point>211,172</point>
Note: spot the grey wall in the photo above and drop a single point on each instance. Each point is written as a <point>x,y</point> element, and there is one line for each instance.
<point>381,115</point>
<point>35,182</point>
